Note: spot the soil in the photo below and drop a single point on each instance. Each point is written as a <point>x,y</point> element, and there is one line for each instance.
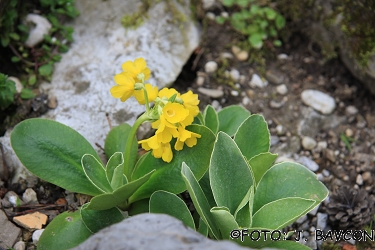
<point>304,68</point>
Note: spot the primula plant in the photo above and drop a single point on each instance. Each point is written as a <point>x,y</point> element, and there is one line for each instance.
<point>221,158</point>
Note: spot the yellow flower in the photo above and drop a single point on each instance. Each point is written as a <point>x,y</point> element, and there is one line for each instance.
<point>137,70</point>
<point>168,93</point>
<point>124,88</point>
<point>174,112</point>
<point>152,93</point>
<point>191,102</point>
<point>187,137</point>
<point>159,150</point>
<point>165,131</point>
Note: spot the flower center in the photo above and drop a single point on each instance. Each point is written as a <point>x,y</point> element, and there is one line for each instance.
<point>171,112</point>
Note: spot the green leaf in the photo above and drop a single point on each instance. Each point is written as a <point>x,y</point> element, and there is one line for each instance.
<point>211,119</point>
<point>202,228</point>
<point>65,231</point>
<point>95,172</point>
<point>119,196</point>
<point>32,80</point>
<point>14,36</point>
<point>253,136</point>
<point>244,212</point>
<point>116,142</point>
<point>168,203</point>
<point>260,164</point>
<point>15,59</point>
<point>96,220</point>
<point>243,3</point>
<point>280,22</point>
<point>230,176</point>
<point>256,40</point>
<point>45,70</point>
<point>53,152</point>
<point>220,19</point>
<point>270,13</point>
<point>277,43</point>
<point>224,221</point>
<point>168,175</point>
<point>231,117</point>
<point>115,169</point>
<point>280,213</point>
<point>199,200</point>
<point>228,3</point>
<point>288,179</point>
<point>204,182</point>
<point>27,94</point>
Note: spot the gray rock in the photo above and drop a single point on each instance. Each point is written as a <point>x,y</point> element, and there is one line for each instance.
<point>329,154</point>
<point>210,67</point>
<point>308,143</point>
<point>9,233</point>
<point>359,180</point>
<point>152,231</point>
<point>276,105</point>
<point>321,221</point>
<point>20,245</point>
<point>307,162</point>
<point>214,93</point>
<point>319,101</point>
<point>11,199</point>
<point>301,219</point>
<point>312,122</point>
<point>290,147</point>
<point>207,4</point>
<point>351,110</point>
<point>257,82</point>
<point>30,197</point>
<point>274,77</point>
<point>235,74</point>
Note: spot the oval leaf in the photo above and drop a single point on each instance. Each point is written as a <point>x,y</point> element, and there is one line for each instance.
<point>65,231</point>
<point>199,200</point>
<point>119,196</point>
<point>288,179</point>
<point>53,152</point>
<point>230,176</point>
<point>231,117</point>
<point>280,213</point>
<point>167,176</point>
<point>224,221</point>
<point>96,220</point>
<point>95,172</point>
<point>115,169</point>
<point>260,164</point>
<point>168,203</point>
<point>211,119</point>
<point>253,136</point>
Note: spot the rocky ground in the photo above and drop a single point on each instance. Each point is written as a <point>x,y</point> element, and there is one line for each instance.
<point>336,140</point>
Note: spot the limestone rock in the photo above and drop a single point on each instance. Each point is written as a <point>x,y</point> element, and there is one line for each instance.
<point>160,231</point>
<point>318,101</point>
<point>214,93</point>
<point>41,28</point>
<point>9,233</point>
<point>31,221</point>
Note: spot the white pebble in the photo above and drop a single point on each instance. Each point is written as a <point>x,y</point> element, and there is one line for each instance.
<point>308,163</point>
<point>308,143</point>
<point>214,93</point>
<point>210,16</point>
<point>234,93</point>
<point>246,101</point>
<point>207,4</point>
<point>41,28</point>
<point>29,196</point>
<point>224,14</point>
<point>235,74</point>
<point>36,235</point>
<point>20,245</point>
<point>359,180</point>
<point>349,132</point>
<point>325,172</point>
<point>17,82</point>
<point>210,67</point>
<point>320,176</point>
<point>216,105</point>
<point>321,219</point>
<point>280,130</point>
<point>256,81</point>
<point>200,80</point>
<point>226,55</point>
<point>282,56</point>
<point>351,110</point>
<point>318,101</point>
<point>282,89</point>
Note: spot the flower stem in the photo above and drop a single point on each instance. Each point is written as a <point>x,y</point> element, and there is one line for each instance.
<point>128,165</point>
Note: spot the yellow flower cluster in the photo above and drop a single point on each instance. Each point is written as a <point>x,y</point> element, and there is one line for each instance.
<point>171,113</point>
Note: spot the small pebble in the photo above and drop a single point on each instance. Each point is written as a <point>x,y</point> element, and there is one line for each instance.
<point>276,105</point>
<point>330,155</point>
<point>29,196</point>
<point>366,176</point>
<point>210,16</point>
<point>241,55</point>
<point>224,14</point>
<point>207,4</point>
<point>246,101</point>
<point>318,101</point>
<point>282,89</point>
<point>302,219</point>
<point>322,145</point>
<point>320,176</point>
<point>18,84</point>
<point>226,55</point>
<point>20,245</point>
<point>321,221</point>
<point>314,211</point>
<point>210,67</point>
<point>351,110</point>
<point>216,105</point>
<point>282,56</point>
<point>325,172</point>
<point>349,132</point>
<point>256,81</point>
<point>36,235</point>
<point>235,74</point>
<point>359,180</point>
<point>307,162</point>
<point>250,93</point>
<point>200,80</point>
<point>214,93</point>
<point>280,130</point>
<point>274,140</point>
<point>274,78</point>
<point>234,93</point>
<point>242,79</point>
<point>308,143</point>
